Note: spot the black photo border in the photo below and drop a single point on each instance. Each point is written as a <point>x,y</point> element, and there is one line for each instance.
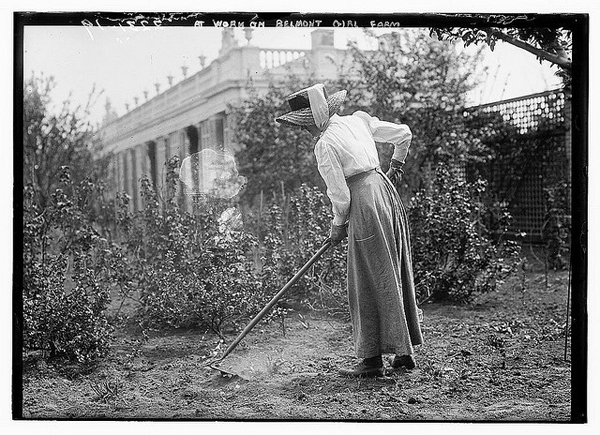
<point>578,23</point>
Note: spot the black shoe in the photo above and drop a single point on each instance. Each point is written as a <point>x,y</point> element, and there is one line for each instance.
<point>403,361</point>
<point>367,368</point>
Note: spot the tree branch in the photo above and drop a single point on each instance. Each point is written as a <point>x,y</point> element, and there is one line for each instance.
<point>555,59</point>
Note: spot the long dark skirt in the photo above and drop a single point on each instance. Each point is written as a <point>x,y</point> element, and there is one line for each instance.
<point>381,289</point>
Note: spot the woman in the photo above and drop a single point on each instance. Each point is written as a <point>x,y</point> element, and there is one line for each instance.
<point>367,210</point>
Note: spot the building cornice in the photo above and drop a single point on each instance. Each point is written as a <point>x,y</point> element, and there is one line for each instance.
<point>150,128</point>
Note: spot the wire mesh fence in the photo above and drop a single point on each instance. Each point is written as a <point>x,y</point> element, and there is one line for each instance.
<point>530,139</point>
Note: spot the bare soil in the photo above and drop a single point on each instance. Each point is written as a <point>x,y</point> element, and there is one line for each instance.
<point>500,358</point>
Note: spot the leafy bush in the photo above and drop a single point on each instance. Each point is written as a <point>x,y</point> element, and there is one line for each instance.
<point>453,255</point>
<point>181,266</point>
<point>291,230</point>
<point>66,274</point>
<point>556,229</point>
<point>222,289</point>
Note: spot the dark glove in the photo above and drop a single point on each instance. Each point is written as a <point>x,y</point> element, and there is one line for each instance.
<point>338,233</point>
<point>395,172</point>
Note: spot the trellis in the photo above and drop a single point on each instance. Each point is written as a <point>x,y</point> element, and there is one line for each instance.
<point>530,138</point>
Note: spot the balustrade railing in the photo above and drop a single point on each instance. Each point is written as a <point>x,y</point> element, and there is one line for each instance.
<point>272,58</point>
<point>160,104</point>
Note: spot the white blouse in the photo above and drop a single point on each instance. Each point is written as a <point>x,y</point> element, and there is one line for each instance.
<point>347,147</point>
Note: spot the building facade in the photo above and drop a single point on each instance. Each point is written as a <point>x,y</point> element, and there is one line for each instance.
<point>191,115</point>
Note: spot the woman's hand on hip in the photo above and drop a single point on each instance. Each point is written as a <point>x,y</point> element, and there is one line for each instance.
<point>395,171</point>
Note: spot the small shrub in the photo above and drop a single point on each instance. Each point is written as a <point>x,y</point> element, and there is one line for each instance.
<point>453,255</point>
<point>292,230</point>
<point>185,269</point>
<point>66,275</point>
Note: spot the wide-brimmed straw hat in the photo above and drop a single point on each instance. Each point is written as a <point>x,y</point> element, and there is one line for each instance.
<point>301,114</point>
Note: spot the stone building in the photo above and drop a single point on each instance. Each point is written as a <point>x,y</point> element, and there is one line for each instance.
<point>191,115</point>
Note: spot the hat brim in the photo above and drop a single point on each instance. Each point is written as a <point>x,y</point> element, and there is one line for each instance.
<point>304,117</point>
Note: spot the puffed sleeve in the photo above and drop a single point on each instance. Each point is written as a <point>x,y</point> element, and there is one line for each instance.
<point>330,169</point>
<point>388,132</point>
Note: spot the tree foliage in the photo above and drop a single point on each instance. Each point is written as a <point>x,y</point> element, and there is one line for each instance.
<point>553,45</point>
<point>410,78</point>
<point>421,82</point>
<point>53,140</point>
<point>274,158</point>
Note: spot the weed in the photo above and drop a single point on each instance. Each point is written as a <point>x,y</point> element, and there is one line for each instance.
<point>432,370</point>
<point>495,341</point>
<point>273,366</point>
<point>107,391</point>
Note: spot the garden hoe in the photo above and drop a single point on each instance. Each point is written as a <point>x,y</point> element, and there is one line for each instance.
<point>226,374</point>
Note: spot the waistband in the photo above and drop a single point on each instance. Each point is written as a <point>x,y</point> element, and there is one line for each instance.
<point>361,175</point>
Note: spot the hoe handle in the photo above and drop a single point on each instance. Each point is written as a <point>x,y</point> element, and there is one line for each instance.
<point>276,298</point>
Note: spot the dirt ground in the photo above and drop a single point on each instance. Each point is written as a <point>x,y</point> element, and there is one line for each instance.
<point>500,358</point>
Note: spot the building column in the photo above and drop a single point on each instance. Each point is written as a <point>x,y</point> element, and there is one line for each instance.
<point>135,194</point>
<point>120,172</point>
<point>140,160</point>
<point>129,178</point>
<point>113,175</point>
<point>168,152</point>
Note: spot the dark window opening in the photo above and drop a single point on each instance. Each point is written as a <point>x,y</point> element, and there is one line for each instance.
<point>153,168</point>
<point>220,134</point>
<point>192,134</point>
